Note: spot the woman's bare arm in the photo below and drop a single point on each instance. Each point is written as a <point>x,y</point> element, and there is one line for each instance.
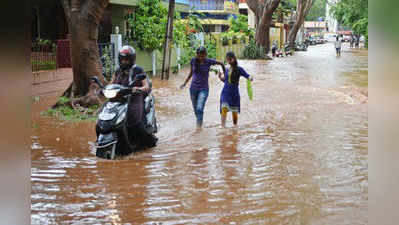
<point>223,67</point>
<point>188,78</point>
<point>221,77</point>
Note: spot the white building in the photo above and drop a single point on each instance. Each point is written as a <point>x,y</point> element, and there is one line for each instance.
<point>244,9</point>
<point>332,23</point>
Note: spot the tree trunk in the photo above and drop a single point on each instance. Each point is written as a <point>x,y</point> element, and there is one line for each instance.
<point>85,55</point>
<point>293,33</point>
<point>263,11</point>
<point>83,18</point>
<point>263,32</point>
<point>303,8</point>
<point>168,42</point>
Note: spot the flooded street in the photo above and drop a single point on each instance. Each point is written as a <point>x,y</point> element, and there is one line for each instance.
<point>299,155</point>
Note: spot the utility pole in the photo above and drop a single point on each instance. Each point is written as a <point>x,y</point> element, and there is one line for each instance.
<point>168,42</point>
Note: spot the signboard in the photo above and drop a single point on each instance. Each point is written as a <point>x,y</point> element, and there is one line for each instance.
<point>315,24</point>
<point>231,6</point>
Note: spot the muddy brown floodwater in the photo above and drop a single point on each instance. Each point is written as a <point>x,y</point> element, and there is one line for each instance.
<point>299,155</point>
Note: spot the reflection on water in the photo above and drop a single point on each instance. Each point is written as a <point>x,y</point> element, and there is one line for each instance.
<point>299,155</point>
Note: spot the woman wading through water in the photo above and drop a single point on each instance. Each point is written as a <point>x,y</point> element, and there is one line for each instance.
<point>199,90</point>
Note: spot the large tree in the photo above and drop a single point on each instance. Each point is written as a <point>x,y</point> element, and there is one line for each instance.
<point>317,11</point>
<point>302,9</point>
<point>83,18</point>
<point>263,10</point>
<point>353,13</point>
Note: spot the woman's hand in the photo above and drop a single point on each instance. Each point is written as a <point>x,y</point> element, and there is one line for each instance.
<point>220,76</point>
<point>251,78</point>
<point>182,86</point>
<point>136,89</point>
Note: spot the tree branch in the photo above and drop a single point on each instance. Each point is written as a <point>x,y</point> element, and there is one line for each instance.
<point>308,6</point>
<point>67,10</point>
<point>272,5</point>
<point>75,6</point>
<point>255,6</point>
<point>94,8</point>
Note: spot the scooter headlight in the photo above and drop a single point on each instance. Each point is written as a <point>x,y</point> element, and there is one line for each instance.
<point>120,118</point>
<point>110,93</point>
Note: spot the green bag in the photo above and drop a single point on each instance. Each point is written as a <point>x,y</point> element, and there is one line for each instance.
<point>249,89</point>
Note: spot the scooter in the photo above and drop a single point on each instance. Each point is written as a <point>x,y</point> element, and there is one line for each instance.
<point>287,50</point>
<point>111,128</point>
<point>301,47</point>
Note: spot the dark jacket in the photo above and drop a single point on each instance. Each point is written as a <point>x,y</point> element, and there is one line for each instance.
<point>136,103</point>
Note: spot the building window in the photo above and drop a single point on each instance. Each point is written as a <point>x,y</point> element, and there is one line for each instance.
<point>244,11</point>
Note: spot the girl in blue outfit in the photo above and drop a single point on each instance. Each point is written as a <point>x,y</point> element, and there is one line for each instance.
<point>230,97</point>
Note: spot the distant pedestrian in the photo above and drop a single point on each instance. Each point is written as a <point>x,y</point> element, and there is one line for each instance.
<point>338,45</point>
<point>352,41</point>
<point>274,48</point>
<point>357,41</point>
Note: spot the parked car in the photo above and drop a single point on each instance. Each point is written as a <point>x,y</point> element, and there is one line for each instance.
<point>301,47</point>
<point>311,41</point>
<point>362,39</point>
<point>330,37</point>
<point>346,38</point>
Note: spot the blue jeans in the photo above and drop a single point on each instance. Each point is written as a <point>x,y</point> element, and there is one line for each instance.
<point>198,98</point>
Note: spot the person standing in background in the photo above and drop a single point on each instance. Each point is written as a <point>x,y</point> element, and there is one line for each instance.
<point>338,45</point>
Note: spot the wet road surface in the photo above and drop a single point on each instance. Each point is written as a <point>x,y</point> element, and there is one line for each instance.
<point>298,156</point>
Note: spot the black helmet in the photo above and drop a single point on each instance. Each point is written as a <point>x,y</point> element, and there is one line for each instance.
<point>129,53</point>
<point>201,49</point>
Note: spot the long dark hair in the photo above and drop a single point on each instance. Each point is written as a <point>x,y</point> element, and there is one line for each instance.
<point>200,50</point>
<point>235,74</point>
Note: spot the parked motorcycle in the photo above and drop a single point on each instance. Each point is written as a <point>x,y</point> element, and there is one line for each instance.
<point>301,47</point>
<point>111,129</point>
<point>287,50</point>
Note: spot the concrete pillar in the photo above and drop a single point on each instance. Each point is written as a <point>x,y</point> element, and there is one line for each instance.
<point>218,28</point>
<point>251,18</point>
<point>116,39</point>
<point>178,57</point>
<point>154,63</point>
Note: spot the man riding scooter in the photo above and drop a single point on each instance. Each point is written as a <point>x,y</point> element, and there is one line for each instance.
<point>135,115</point>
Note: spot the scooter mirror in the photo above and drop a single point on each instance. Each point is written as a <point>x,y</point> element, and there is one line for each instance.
<point>96,80</point>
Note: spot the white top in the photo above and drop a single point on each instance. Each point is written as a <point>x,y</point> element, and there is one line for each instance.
<point>338,44</point>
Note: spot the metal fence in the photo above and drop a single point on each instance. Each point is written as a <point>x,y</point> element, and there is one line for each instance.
<point>43,58</point>
<point>63,54</point>
<point>107,58</point>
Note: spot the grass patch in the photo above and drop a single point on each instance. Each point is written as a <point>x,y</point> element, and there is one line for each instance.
<point>44,65</point>
<point>66,113</point>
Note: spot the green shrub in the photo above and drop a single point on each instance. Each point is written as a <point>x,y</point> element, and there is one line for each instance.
<point>240,25</point>
<point>175,69</point>
<point>253,51</point>
<point>108,66</point>
<point>225,40</point>
<point>235,39</point>
<point>243,39</point>
<point>190,52</point>
<point>147,24</point>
